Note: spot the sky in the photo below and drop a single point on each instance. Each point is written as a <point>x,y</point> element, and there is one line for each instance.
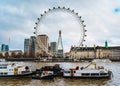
<point>18,17</point>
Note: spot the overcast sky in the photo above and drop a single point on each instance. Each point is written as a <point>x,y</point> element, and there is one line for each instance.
<point>102,20</point>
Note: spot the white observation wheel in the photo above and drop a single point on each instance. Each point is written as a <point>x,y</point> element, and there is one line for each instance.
<point>45,21</point>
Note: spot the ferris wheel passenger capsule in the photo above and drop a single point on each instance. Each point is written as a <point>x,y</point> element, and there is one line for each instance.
<point>63,7</point>
<point>82,20</point>
<point>85,30</point>
<point>76,13</point>
<point>44,11</point>
<point>34,27</point>
<point>72,10</point>
<point>36,23</point>
<point>59,7</point>
<point>68,8</point>
<point>84,25</point>
<point>38,18</point>
<point>80,17</point>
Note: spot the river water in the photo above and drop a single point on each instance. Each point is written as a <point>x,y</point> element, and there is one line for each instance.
<point>59,81</point>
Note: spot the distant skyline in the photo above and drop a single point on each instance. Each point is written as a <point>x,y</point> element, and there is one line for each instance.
<point>18,17</point>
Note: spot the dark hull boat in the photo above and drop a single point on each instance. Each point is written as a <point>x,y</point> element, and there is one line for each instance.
<point>47,72</point>
<point>43,75</point>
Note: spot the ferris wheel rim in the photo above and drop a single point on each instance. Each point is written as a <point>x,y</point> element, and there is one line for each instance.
<point>68,10</point>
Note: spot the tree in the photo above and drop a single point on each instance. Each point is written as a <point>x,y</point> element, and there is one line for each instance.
<point>6,54</point>
<point>25,55</point>
<point>1,55</point>
<point>18,55</point>
<point>13,54</point>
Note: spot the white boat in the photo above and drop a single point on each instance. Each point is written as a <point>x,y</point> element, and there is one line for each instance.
<point>12,69</point>
<point>87,72</point>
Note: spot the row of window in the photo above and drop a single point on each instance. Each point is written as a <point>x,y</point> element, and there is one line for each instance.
<point>88,74</point>
<point>4,73</point>
<point>3,67</point>
<point>93,74</point>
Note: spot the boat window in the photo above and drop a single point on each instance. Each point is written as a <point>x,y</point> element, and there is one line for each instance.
<point>94,74</point>
<point>10,69</point>
<point>1,73</point>
<point>5,73</point>
<point>85,74</point>
<point>3,64</point>
<point>67,71</point>
<point>103,74</point>
<point>4,67</point>
<point>74,71</point>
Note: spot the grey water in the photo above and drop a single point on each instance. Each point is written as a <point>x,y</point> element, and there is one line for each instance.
<point>59,81</point>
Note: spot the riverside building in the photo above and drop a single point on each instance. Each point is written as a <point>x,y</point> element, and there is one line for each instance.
<point>112,52</point>
<point>42,45</point>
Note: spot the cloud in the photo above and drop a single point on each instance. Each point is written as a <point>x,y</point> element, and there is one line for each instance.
<point>101,18</point>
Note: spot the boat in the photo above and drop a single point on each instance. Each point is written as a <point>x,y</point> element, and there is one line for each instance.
<point>47,72</point>
<point>14,69</point>
<point>87,72</point>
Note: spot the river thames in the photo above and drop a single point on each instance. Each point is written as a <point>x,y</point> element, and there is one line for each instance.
<point>59,81</point>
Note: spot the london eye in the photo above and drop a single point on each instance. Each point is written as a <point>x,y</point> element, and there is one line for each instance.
<point>64,19</point>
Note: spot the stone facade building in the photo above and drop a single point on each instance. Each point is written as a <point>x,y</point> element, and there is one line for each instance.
<point>112,52</point>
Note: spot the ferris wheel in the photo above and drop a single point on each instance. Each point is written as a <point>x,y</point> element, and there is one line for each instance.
<point>65,10</point>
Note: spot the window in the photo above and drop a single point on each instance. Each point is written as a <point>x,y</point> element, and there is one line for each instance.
<point>1,73</point>
<point>5,73</point>
<point>85,74</point>
<point>94,74</point>
<point>74,71</point>
<point>5,67</point>
<point>67,71</point>
<point>10,69</point>
<point>103,74</point>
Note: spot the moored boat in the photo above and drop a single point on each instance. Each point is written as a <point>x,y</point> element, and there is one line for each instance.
<point>87,72</point>
<point>13,69</point>
<point>47,72</point>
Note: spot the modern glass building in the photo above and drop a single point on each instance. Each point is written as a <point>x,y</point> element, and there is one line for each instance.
<point>53,47</point>
<point>27,46</point>
<point>4,47</point>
